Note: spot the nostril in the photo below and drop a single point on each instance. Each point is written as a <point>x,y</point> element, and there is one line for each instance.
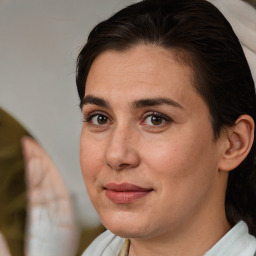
<point>118,167</point>
<point>123,166</point>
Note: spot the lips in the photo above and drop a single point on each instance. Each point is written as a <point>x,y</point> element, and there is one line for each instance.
<point>125,193</point>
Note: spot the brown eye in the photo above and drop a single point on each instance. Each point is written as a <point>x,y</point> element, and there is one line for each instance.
<point>99,119</point>
<point>154,120</point>
<point>102,119</point>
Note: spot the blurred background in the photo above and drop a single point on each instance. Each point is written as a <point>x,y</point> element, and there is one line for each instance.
<point>39,43</point>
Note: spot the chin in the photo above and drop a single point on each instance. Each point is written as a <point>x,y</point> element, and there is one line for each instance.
<point>129,233</point>
<point>127,226</point>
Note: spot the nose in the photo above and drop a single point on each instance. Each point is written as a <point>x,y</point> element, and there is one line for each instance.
<point>122,151</point>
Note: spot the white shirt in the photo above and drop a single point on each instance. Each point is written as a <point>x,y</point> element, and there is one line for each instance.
<point>237,242</point>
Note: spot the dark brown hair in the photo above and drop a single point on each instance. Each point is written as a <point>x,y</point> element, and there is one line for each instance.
<point>204,39</point>
<point>251,2</point>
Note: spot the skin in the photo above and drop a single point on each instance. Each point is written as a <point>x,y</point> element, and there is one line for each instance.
<point>176,156</point>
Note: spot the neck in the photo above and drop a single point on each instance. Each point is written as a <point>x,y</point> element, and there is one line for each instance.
<point>195,241</point>
<point>195,237</point>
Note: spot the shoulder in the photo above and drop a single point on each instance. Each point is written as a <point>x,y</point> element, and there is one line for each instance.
<point>107,244</point>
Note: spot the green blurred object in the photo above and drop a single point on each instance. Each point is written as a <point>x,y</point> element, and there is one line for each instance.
<point>87,236</point>
<point>13,200</point>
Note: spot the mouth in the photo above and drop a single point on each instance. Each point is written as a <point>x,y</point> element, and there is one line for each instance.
<point>125,193</point>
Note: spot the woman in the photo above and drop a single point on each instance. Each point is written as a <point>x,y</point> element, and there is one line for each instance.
<point>167,146</point>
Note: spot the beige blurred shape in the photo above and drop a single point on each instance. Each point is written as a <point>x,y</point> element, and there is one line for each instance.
<point>242,17</point>
<point>4,250</point>
<point>51,228</point>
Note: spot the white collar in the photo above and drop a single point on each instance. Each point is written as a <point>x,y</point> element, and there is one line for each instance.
<point>237,242</point>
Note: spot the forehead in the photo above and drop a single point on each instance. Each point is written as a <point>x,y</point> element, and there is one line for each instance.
<point>143,66</point>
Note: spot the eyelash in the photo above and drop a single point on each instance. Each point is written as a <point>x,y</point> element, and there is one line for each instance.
<point>88,119</point>
<point>90,116</point>
<point>156,114</point>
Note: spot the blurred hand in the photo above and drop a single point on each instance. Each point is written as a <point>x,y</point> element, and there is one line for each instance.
<point>4,247</point>
<point>51,225</point>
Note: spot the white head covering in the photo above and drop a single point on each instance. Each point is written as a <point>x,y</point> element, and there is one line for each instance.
<point>242,17</point>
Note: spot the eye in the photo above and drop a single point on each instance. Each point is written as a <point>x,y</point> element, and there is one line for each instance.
<point>155,119</point>
<point>97,119</point>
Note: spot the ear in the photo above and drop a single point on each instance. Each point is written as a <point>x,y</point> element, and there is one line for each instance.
<point>239,140</point>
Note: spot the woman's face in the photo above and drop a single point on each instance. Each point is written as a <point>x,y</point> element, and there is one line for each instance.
<point>147,152</point>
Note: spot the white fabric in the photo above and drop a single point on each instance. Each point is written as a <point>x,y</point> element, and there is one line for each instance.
<point>242,17</point>
<point>107,244</point>
<point>237,242</point>
<point>51,226</point>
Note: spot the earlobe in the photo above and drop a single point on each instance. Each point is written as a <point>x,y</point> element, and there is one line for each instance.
<point>239,142</point>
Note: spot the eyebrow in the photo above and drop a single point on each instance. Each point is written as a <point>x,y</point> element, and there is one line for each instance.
<point>156,102</point>
<point>89,99</point>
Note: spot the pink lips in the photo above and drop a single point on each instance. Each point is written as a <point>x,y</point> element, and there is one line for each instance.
<point>125,193</point>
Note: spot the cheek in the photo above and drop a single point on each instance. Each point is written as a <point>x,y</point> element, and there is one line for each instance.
<point>91,157</point>
<point>183,172</point>
<point>181,158</point>
<point>167,155</point>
